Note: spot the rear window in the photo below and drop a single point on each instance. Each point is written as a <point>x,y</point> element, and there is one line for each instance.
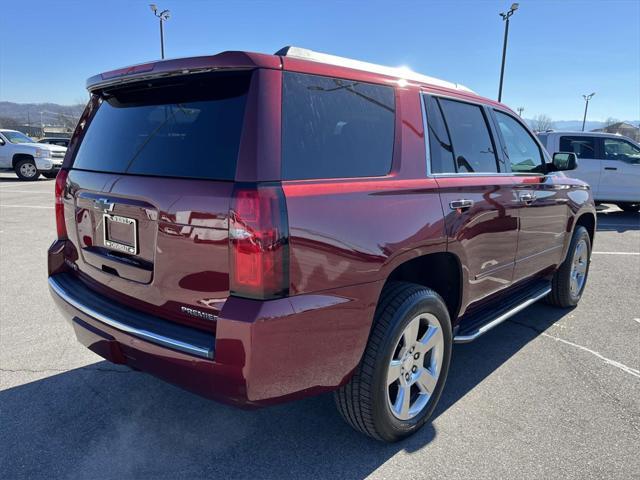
<point>180,127</point>
<point>334,128</point>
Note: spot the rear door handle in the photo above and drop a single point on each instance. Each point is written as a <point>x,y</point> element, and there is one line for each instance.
<point>527,197</point>
<point>610,168</point>
<point>461,204</point>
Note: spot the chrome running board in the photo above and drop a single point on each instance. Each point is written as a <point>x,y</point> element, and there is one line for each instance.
<point>469,337</point>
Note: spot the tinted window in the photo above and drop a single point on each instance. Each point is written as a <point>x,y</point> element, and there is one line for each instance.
<point>178,128</point>
<point>335,128</point>
<point>441,153</point>
<point>521,149</point>
<point>472,145</point>
<point>615,149</point>
<point>583,147</point>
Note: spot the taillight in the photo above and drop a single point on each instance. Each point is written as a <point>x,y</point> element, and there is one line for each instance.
<point>259,242</point>
<point>61,181</point>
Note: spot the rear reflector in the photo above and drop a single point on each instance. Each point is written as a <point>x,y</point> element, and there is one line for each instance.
<point>259,242</point>
<point>61,181</point>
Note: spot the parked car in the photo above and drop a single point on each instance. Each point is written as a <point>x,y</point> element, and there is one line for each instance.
<point>28,158</point>
<point>259,228</point>
<point>608,162</point>
<point>63,142</point>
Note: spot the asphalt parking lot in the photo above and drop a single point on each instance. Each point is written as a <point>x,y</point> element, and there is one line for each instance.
<point>551,393</point>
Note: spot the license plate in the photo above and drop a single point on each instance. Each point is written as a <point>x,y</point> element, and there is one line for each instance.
<point>120,233</point>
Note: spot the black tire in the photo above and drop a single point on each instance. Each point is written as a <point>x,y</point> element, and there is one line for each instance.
<point>629,207</point>
<point>49,175</point>
<point>25,165</point>
<point>561,294</point>
<point>363,401</point>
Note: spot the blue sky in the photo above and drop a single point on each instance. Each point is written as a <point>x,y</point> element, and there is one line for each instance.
<point>558,50</point>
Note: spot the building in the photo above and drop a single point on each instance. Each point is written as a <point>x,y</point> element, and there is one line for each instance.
<point>622,128</point>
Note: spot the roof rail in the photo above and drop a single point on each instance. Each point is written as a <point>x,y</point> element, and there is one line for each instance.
<point>400,72</point>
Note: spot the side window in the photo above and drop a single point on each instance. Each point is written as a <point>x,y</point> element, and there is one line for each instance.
<point>583,147</point>
<point>333,128</point>
<point>615,149</point>
<point>472,144</point>
<point>440,151</point>
<point>521,149</point>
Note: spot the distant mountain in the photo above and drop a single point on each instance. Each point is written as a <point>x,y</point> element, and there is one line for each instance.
<point>36,113</point>
<point>54,114</point>
<point>576,125</point>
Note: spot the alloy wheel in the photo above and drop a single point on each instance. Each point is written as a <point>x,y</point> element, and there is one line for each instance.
<point>579,267</point>
<point>28,170</point>
<point>415,366</point>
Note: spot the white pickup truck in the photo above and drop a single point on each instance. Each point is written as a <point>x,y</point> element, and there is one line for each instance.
<point>609,163</point>
<point>28,158</point>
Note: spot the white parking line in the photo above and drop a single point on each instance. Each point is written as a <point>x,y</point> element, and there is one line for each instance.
<point>621,366</point>
<point>23,206</point>
<point>616,253</point>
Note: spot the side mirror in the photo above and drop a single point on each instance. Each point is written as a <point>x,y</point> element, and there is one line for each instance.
<point>564,161</point>
<point>1,141</point>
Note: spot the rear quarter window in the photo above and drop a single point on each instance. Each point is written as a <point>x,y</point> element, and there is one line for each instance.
<point>335,128</point>
<point>188,127</point>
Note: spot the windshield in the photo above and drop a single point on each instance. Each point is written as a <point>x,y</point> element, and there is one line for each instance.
<point>175,128</point>
<point>17,137</point>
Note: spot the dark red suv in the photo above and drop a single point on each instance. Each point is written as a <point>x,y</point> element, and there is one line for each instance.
<point>258,228</point>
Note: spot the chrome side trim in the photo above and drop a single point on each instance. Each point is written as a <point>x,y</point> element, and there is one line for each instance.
<point>144,334</point>
<point>498,320</point>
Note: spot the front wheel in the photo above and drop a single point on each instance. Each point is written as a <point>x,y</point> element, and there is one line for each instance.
<point>398,383</point>
<point>26,170</point>
<point>570,279</point>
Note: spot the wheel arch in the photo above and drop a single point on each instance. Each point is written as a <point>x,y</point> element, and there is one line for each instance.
<point>439,271</point>
<point>20,156</point>
<point>588,221</point>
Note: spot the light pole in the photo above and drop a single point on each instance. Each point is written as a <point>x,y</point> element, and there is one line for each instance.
<point>505,17</point>
<point>163,16</point>
<point>586,106</point>
<point>520,110</point>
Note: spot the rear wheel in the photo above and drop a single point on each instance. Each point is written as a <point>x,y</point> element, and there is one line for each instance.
<point>26,169</point>
<point>570,279</point>
<point>629,207</point>
<point>404,367</point>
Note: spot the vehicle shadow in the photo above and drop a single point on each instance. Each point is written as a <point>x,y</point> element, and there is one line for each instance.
<point>106,421</point>
<point>616,220</point>
<point>7,179</point>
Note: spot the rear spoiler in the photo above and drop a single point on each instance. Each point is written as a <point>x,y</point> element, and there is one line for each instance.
<point>183,66</point>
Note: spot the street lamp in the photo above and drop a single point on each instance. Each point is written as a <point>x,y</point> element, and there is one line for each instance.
<point>586,105</point>
<point>163,16</point>
<point>520,110</point>
<point>505,17</point>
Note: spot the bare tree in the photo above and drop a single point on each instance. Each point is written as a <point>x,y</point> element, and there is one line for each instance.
<point>542,122</point>
<point>610,121</point>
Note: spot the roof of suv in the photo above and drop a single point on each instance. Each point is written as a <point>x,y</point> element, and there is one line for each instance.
<point>285,58</point>
<point>580,133</point>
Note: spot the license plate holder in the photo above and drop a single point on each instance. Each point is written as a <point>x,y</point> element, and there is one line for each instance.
<point>120,233</point>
